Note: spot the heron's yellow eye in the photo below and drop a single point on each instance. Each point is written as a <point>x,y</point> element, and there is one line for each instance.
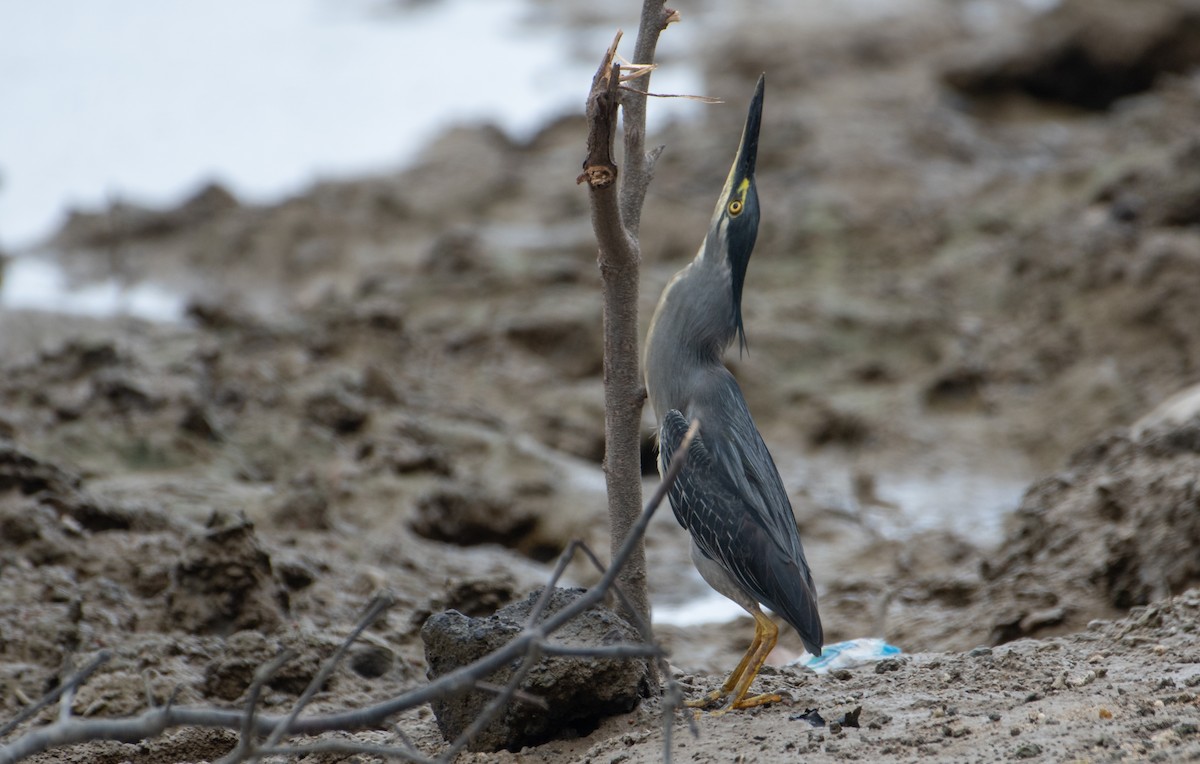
<point>735,207</point>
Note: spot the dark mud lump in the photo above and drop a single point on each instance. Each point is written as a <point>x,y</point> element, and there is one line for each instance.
<point>579,691</point>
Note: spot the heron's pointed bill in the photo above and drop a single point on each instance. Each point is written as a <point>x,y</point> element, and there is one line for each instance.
<point>743,164</point>
<point>742,171</point>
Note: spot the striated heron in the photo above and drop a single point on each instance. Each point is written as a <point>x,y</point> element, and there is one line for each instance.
<point>729,496</point>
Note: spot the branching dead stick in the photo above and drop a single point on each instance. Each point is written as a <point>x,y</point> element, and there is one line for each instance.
<point>560,568</point>
<point>618,255</point>
<point>620,650</point>
<point>521,695</point>
<point>673,697</point>
<point>639,164</point>
<point>154,722</point>
<point>379,605</point>
<point>65,701</point>
<point>70,684</point>
<point>262,675</point>
<point>345,746</point>
<point>642,625</point>
<point>496,704</point>
<point>404,738</point>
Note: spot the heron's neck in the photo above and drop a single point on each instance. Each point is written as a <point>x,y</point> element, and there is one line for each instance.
<point>691,327</point>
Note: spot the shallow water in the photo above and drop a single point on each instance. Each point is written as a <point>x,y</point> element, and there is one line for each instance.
<point>33,283</point>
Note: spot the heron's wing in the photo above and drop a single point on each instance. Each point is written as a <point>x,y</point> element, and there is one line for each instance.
<point>727,528</point>
<point>693,494</point>
<point>739,453</point>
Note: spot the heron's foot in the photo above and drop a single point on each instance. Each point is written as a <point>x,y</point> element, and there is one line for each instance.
<point>708,700</point>
<point>751,702</point>
<point>715,697</point>
<point>738,683</point>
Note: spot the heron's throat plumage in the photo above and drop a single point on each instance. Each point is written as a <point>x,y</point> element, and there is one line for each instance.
<point>692,326</point>
<point>700,311</point>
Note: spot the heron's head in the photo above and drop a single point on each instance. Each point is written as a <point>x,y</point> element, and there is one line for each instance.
<point>735,220</point>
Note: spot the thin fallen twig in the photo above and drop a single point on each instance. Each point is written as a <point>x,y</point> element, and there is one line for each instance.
<point>519,694</point>
<point>70,684</point>
<point>379,605</point>
<point>346,746</point>
<point>623,650</point>
<point>153,722</point>
<point>262,675</point>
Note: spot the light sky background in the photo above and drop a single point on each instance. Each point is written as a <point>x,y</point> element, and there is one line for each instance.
<point>146,100</point>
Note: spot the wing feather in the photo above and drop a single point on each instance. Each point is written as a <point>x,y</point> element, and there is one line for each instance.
<point>725,517</point>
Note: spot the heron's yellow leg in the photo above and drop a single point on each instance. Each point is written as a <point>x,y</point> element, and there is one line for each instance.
<point>732,681</point>
<point>769,636</point>
<point>735,678</point>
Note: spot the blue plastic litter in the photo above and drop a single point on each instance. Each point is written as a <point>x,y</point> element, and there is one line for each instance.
<point>855,652</point>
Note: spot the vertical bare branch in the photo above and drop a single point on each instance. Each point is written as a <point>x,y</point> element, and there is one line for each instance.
<point>615,221</point>
<point>639,164</point>
<point>618,258</point>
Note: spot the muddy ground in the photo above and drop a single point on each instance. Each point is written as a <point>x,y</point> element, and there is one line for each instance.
<point>964,266</point>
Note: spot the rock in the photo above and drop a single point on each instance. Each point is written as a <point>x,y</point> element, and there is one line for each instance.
<point>379,385</point>
<point>832,426</point>
<point>404,456</point>
<point>571,419</point>
<point>503,489</point>
<point>578,691</point>
<point>1162,192</point>
<point>457,253</point>
<point>303,505</point>
<point>231,671</point>
<point>122,220</point>
<point>296,573</point>
<point>462,173</point>
<point>198,420</point>
<point>957,387</point>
